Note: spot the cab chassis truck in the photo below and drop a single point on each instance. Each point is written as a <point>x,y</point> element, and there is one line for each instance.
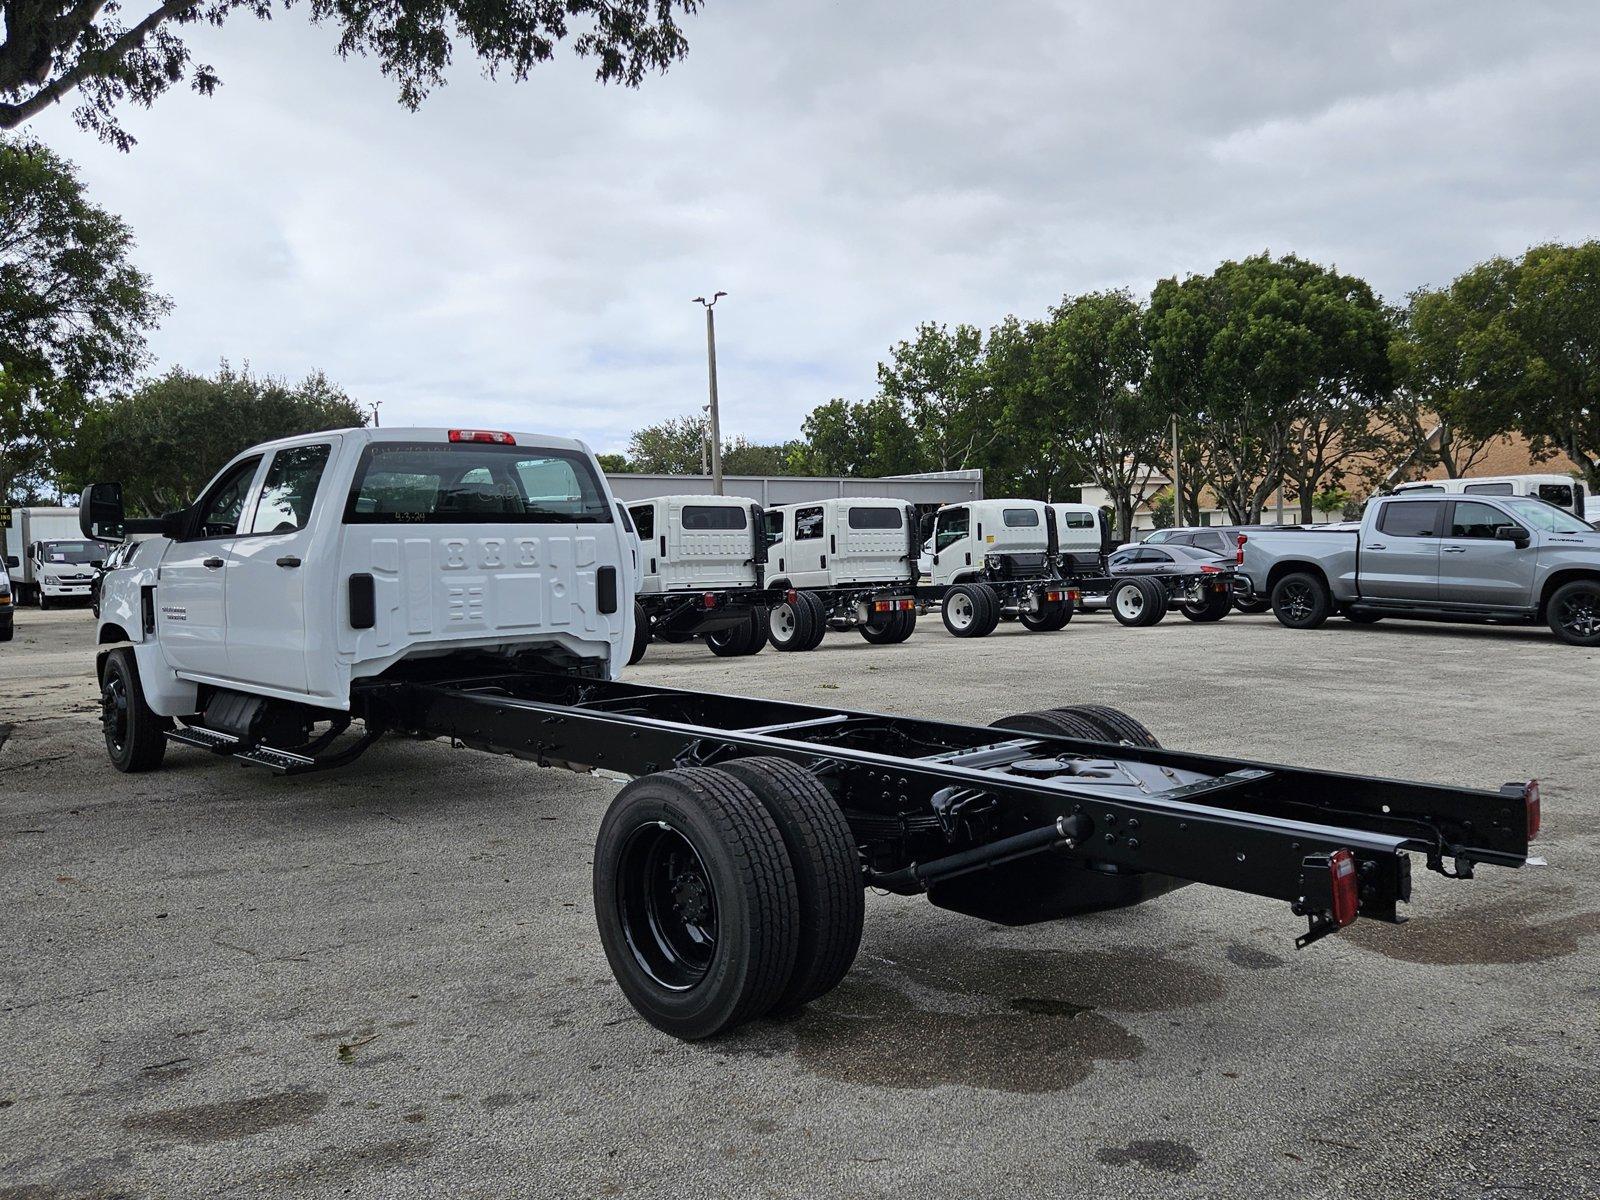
<point>729,874</point>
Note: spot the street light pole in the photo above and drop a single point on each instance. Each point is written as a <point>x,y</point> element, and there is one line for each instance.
<point>711,367</point>
<point>1177,478</point>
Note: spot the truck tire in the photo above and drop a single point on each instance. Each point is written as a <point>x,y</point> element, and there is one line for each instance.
<point>1048,619</point>
<point>970,610</point>
<point>641,633</point>
<point>1301,601</point>
<point>889,629</point>
<point>740,640</point>
<point>792,626</point>
<point>1114,721</point>
<point>1574,613</point>
<point>136,738</point>
<point>7,632</point>
<point>1061,722</point>
<point>44,601</point>
<point>819,620</point>
<point>827,873</point>
<point>1215,606</point>
<point>695,900</point>
<point>1138,603</point>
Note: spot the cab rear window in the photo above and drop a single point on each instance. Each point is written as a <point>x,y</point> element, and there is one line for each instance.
<point>875,518</point>
<point>1023,518</point>
<point>713,516</point>
<point>407,483</point>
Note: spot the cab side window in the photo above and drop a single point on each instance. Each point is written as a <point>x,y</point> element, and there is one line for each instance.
<point>807,524</point>
<point>223,504</point>
<point>1474,520</point>
<point>1408,519</point>
<point>644,517</point>
<point>290,489</point>
<point>953,526</point>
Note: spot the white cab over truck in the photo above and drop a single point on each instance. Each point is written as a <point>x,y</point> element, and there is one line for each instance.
<point>702,565</point>
<point>844,563</point>
<point>999,559</point>
<point>49,560</point>
<point>474,585</point>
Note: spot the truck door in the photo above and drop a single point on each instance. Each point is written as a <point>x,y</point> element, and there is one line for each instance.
<point>871,543</point>
<point>1476,567</point>
<point>268,629</point>
<point>652,546</point>
<point>952,545</point>
<point>806,553</point>
<point>1400,559</point>
<point>191,614</point>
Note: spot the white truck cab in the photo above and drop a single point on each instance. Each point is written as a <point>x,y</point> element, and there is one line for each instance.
<point>966,535</point>
<point>858,540</point>
<point>696,543</point>
<point>313,562</point>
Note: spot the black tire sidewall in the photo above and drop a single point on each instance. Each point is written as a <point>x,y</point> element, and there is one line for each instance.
<point>1552,617</point>
<point>1322,602</point>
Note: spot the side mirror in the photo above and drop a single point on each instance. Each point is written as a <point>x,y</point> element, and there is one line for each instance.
<point>172,523</point>
<point>13,561</point>
<point>100,513</point>
<point>1512,533</point>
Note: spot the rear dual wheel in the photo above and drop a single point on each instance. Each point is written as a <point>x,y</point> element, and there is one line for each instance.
<point>739,640</point>
<point>889,629</point>
<point>725,894</point>
<point>641,633</point>
<point>1049,618</point>
<point>1138,602</point>
<point>797,625</point>
<point>1214,607</point>
<point>970,610</point>
<point>1091,722</point>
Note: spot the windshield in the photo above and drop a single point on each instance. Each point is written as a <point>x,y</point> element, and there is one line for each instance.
<point>72,552</point>
<point>1546,517</point>
<point>474,483</point>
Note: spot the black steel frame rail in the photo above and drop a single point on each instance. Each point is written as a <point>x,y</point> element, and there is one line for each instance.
<point>1247,827</point>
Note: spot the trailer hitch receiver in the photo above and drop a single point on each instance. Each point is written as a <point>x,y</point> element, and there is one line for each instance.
<point>1330,895</point>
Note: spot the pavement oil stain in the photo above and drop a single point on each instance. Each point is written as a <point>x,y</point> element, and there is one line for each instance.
<point>868,1033</point>
<point>231,1119</point>
<point>1177,1158</point>
<point>1516,929</point>
<point>1133,980</point>
<point>335,1165</point>
<point>1252,959</point>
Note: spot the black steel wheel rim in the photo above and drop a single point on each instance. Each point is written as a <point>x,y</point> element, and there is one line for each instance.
<point>1297,600</point>
<point>1580,616</point>
<point>668,906</point>
<point>114,710</point>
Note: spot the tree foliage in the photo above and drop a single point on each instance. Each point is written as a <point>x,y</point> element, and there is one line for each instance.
<point>1093,398</point>
<point>109,55</point>
<point>164,441</point>
<point>74,310</point>
<point>1431,418</point>
<point>674,446</point>
<point>1276,366</point>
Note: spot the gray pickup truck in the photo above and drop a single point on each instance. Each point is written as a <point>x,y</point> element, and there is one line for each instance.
<point>1500,558</point>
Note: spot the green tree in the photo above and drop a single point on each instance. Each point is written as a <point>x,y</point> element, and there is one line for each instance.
<point>1531,350</point>
<point>864,438</point>
<point>612,464</point>
<point>1432,418</point>
<point>1276,366</point>
<point>74,311</point>
<point>53,48</point>
<point>670,447</point>
<point>743,457</point>
<point>1091,389</point>
<point>939,382</point>
<point>172,434</point>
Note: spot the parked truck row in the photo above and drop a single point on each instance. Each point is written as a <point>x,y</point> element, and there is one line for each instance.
<point>474,585</point>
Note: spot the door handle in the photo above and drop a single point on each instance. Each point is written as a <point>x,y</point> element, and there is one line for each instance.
<point>289,560</point>
<point>212,564</point>
<point>1455,549</point>
<point>1378,546</point>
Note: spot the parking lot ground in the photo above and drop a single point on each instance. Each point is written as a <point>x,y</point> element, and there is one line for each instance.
<point>386,981</point>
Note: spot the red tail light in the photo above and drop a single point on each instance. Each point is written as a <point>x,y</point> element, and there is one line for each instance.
<point>489,436</point>
<point>1342,883</point>
<point>709,599</point>
<point>1211,569</point>
<point>1530,797</point>
<point>791,597</point>
<point>1238,555</point>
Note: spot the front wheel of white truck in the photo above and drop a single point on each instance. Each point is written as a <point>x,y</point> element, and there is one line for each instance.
<point>136,738</point>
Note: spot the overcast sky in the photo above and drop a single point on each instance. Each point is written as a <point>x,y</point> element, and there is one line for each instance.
<point>525,255</point>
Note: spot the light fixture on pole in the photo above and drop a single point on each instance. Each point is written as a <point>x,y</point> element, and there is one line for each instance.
<point>711,366</point>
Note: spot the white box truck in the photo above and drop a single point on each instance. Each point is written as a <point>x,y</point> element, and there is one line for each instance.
<point>47,556</point>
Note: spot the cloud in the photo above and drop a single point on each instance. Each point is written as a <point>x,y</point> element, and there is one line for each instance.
<point>526,254</point>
